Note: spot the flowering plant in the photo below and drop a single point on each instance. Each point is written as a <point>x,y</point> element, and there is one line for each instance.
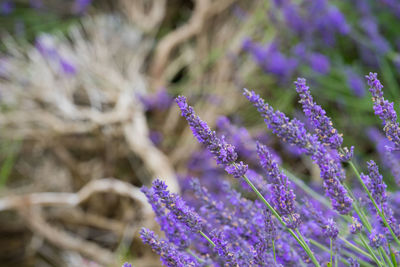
<point>284,222</point>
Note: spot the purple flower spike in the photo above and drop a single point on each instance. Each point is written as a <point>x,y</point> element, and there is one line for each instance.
<point>294,133</point>
<point>170,256</point>
<point>384,109</point>
<point>353,262</point>
<point>224,153</point>
<point>319,63</point>
<point>356,83</point>
<point>317,116</point>
<point>376,239</point>
<point>355,226</point>
<point>331,230</point>
<point>283,197</point>
<point>182,212</point>
<point>374,182</point>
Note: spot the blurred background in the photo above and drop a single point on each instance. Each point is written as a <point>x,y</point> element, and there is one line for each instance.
<point>88,115</point>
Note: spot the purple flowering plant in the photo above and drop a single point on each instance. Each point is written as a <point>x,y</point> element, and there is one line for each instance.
<point>331,43</point>
<point>275,219</point>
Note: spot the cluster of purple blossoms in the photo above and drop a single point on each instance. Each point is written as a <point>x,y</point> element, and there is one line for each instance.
<point>384,109</point>
<point>355,226</point>
<point>224,153</point>
<point>227,227</point>
<point>294,133</point>
<point>282,197</point>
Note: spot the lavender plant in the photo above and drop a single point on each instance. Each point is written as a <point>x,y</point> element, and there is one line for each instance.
<point>275,219</point>
<point>331,43</point>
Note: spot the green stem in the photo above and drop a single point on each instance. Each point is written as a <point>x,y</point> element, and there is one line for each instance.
<point>355,248</point>
<point>370,250</point>
<point>345,252</point>
<point>298,238</point>
<point>207,238</point>
<point>392,256</point>
<point>330,244</point>
<point>374,203</point>
<point>385,257</point>
<point>273,249</point>
<point>358,210</point>
<point>195,256</point>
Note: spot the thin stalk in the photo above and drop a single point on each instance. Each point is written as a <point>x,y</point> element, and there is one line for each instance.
<point>348,254</point>
<point>273,249</point>
<point>392,256</point>
<point>358,210</point>
<point>195,256</point>
<point>363,217</point>
<point>370,250</point>
<point>385,257</point>
<point>355,248</point>
<point>330,244</point>
<point>336,260</point>
<point>298,238</point>
<point>207,238</point>
<point>374,203</point>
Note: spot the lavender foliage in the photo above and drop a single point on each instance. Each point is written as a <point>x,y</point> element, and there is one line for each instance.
<point>227,226</point>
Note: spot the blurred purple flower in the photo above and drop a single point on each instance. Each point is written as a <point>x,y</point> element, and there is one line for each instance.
<point>7,7</point>
<point>319,63</point>
<point>67,67</point>
<point>81,6</point>
<point>355,83</point>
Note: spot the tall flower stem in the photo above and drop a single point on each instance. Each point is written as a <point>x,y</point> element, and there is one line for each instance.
<point>347,253</point>
<point>374,203</point>
<point>207,238</point>
<point>370,250</point>
<point>273,249</point>
<point>194,255</point>
<point>385,257</point>
<point>355,248</point>
<point>298,238</point>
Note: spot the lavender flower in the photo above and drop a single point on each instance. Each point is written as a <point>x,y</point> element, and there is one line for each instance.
<point>223,250</point>
<point>377,187</point>
<point>328,226</point>
<point>224,153</point>
<point>355,226</point>
<point>7,7</point>
<point>355,83</point>
<point>294,133</point>
<point>67,67</point>
<point>174,230</point>
<point>390,159</point>
<point>375,183</point>
<point>283,197</point>
<point>270,59</point>
<point>353,262</point>
<point>317,116</point>
<point>127,265</point>
<point>376,239</point>
<point>384,109</point>
<point>170,256</point>
<point>81,6</point>
<point>331,229</point>
<point>319,63</point>
<point>178,207</point>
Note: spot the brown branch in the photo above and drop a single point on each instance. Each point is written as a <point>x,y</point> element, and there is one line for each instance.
<point>60,238</point>
<point>204,9</point>
<point>73,199</point>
